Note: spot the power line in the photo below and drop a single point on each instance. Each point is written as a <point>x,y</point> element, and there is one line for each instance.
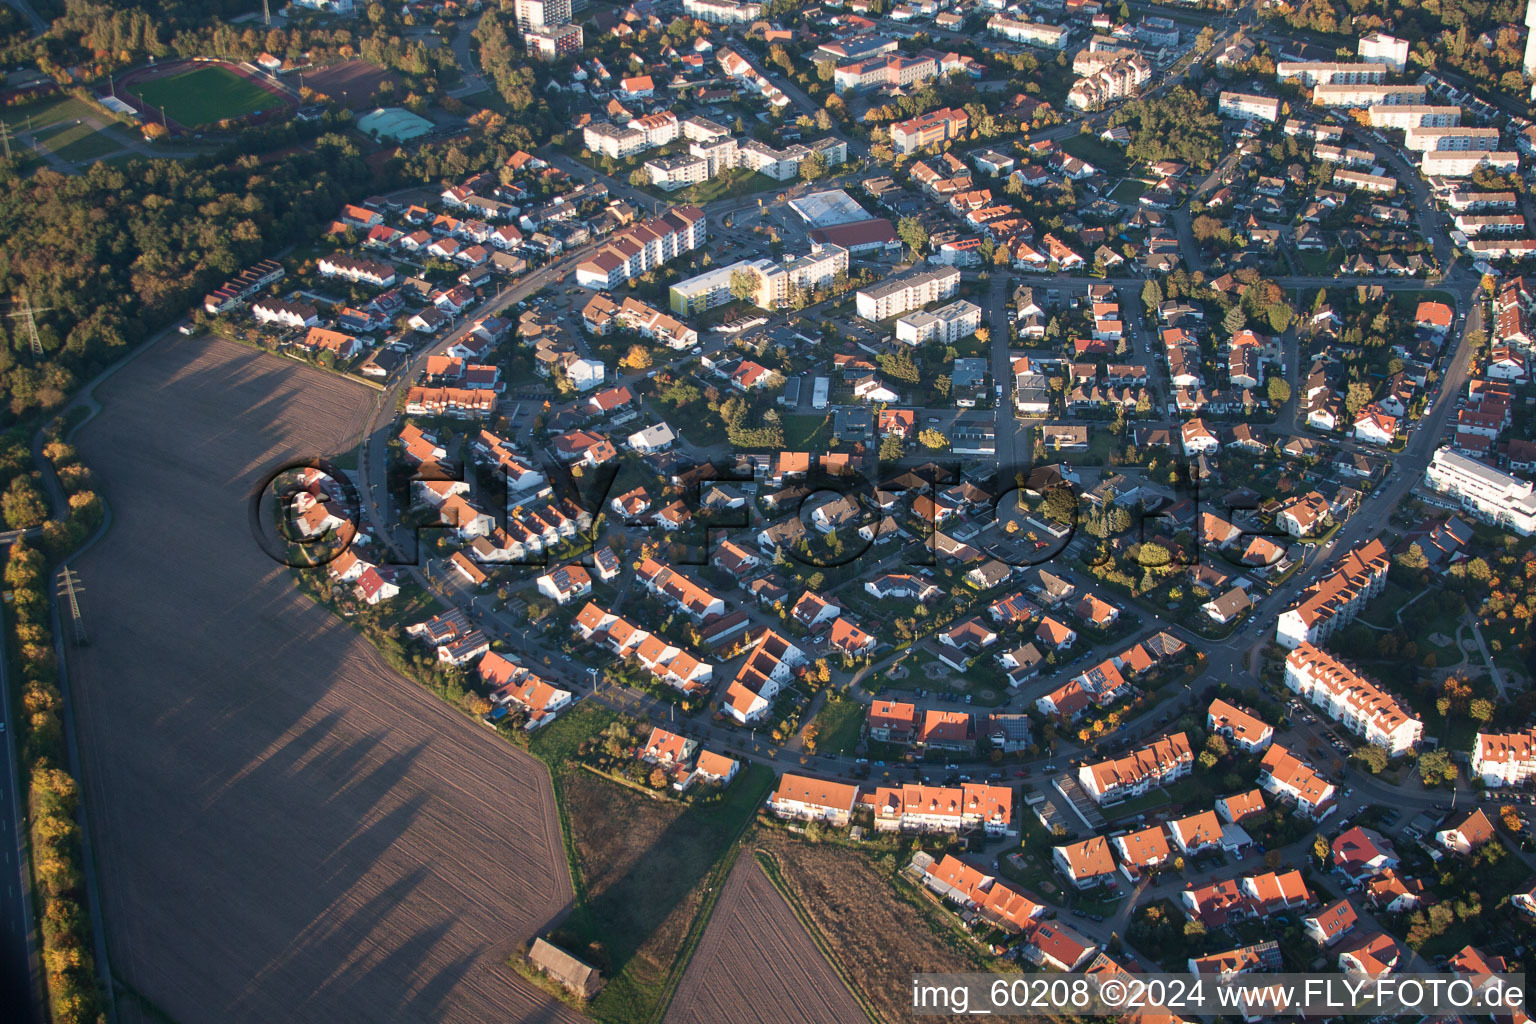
<point>70,589</point>
<point>28,316</point>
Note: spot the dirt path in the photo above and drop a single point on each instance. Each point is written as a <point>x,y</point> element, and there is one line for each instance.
<point>756,964</point>
<point>286,829</point>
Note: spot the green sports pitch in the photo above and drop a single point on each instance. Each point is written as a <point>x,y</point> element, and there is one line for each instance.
<point>205,95</point>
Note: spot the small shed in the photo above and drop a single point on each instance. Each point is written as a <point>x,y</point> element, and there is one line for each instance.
<point>579,978</point>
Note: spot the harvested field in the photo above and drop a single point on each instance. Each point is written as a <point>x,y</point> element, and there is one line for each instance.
<point>643,867</point>
<point>757,965</point>
<point>876,937</point>
<point>285,829</point>
<point>353,83</point>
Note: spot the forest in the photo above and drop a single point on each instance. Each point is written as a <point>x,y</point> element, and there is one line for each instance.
<point>115,253</point>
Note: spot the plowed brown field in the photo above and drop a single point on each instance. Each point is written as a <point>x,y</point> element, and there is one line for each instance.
<point>875,935</point>
<point>286,830</point>
<point>756,964</point>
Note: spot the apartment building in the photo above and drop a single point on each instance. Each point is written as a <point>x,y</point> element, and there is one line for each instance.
<point>931,129</point>
<point>946,325</point>
<point>770,665</point>
<point>1462,164</point>
<point>1248,105</point>
<point>357,271</point>
<point>1287,776</point>
<point>1121,778</point>
<point>1505,758</point>
<point>535,14</point>
<point>1352,700</point>
<point>643,247</point>
<point>892,70</point>
<point>1052,37</point>
<point>918,808</point>
<point>899,295</point>
<point>1413,115</point>
<point>1490,495</point>
<point>776,282</point>
<point>679,591</point>
<point>1350,94</point>
<point>1115,80</point>
<point>614,141</point>
<point>1336,599</point>
<point>804,798</point>
<point>1246,730</point>
<point>1382,184</point>
<point>678,171</point>
<point>659,129</point>
<point>553,42</point>
<point>1380,48</point>
<point>1310,73</point>
<point>723,12</point>
<point>1461,138</point>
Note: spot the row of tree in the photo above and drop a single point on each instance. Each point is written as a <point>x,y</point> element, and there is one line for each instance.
<point>52,798</point>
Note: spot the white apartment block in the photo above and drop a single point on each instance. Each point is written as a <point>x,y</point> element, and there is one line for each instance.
<point>719,154</point>
<point>553,41</point>
<point>900,295</point>
<point>1350,94</point>
<point>1413,115</point>
<point>1488,494</point>
<point>1474,224</point>
<point>784,164</point>
<point>1352,700</point>
<point>1246,105</point>
<point>702,129</point>
<point>1383,184</point>
<point>723,12</point>
<point>1336,599</point>
<point>612,141</point>
<point>532,14</point>
<point>1380,48</point>
<point>946,325</point>
<point>1461,164</point>
<point>675,172</point>
<point>1311,73</point>
<point>659,129</point>
<point>1453,138</point>
<point>1505,759</point>
<point>1052,37</point>
<point>643,247</point>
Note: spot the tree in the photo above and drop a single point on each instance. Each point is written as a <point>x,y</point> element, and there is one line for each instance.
<point>1373,757</point>
<point>637,358</point>
<point>1235,320</point>
<point>22,506</point>
<point>743,285</point>
<point>813,166</point>
<point>890,447</point>
<point>1151,294</point>
<point>1435,767</point>
<point>930,438</point>
<point>1205,40</point>
<point>911,231</point>
<point>1356,397</point>
<point>1279,391</point>
<point>1480,709</point>
<point>1320,848</point>
<point>1413,558</point>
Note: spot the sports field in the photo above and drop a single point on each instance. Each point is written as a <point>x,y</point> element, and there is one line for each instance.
<point>205,95</point>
